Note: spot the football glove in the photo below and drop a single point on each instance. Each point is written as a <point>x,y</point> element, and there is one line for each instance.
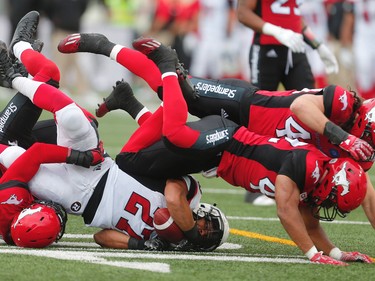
<point>156,244</point>
<point>323,259</point>
<point>287,37</point>
<point>184,246</point>
<point>328,58</point>
<point>355,257</point>
<point>86,158</point>
<point>358,148</point>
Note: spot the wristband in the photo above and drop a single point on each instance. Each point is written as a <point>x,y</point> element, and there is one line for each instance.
<point>334,133</point>
<point>335,253</point>
<point>309,38</point>
<point>135,244</point>
<point>310,253</point>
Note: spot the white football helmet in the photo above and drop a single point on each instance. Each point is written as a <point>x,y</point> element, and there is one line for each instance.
<point>216,224</point>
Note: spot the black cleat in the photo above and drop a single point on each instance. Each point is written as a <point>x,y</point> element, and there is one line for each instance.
<point>164,57</point>
<point>121,97</point>
<point>188,89</point>
<point>25,30</point>
<point>7,72</point>
<point>86,42</point>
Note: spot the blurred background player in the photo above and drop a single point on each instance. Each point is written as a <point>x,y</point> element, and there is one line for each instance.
<point>357,34</point>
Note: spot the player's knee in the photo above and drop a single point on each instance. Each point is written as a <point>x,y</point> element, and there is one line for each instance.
<point>73,121</point>
<point>10,154</point>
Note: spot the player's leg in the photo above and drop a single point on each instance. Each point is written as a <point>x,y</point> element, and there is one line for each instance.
<point>96,43</point>
<point>195,136</point>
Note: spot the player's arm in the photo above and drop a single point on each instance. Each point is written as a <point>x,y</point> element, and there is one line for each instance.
<point>247,16</point>
<point>110,238</point>
<point>27,164</point>
<point>326,55</point>
<point>310,110</point>
<point>179,208</point>
<point>322,242</point>
<point>287,200</point>
<point>315,230</point>
<point>368,203</point>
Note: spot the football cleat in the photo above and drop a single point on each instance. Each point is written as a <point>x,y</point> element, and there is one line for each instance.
<point>7,72</point>
<point>164,57</point>
<point>188,89</point>
<point>25,30</point>
<point>86,42</point>
<point>121,97</point>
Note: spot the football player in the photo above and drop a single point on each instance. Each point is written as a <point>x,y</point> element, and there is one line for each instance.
<point>304,181</point>
<point>89,192</point>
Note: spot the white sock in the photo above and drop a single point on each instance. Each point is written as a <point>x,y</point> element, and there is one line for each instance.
<point>19,47</point>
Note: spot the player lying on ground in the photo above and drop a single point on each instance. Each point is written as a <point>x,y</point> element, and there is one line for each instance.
<point>89,192</point>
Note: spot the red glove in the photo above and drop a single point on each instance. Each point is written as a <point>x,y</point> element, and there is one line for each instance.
<point>86,158</point>
<point>358,148</point>
<point>322,259</point>
<point>356,257</point>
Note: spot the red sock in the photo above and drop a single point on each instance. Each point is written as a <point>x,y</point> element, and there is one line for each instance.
<point>140,65</point>
<point>175,115</point>
<point>51,99</point>
<point>41,68</point>
<point>147,134</point>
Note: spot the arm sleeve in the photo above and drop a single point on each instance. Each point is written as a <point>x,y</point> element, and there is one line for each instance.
<point>26,166</point>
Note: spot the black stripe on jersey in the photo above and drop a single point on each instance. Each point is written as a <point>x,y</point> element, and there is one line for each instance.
<point>13,183</point>
<point>274,101</point>
<point>328,95</point>
<point>297,169</point>
<point>265,154</point>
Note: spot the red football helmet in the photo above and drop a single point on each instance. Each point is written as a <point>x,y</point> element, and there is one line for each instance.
<point>364,125</point>
<point>342,189</point>
<point>39,225</point>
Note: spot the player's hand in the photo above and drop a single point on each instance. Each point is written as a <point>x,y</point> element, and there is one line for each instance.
<point>328,59</point>
<point>355,257</point>
<point>358,148</point>
<point>323,259</point>
<point>287,37</point>
<point>86,158</point>
<point>156,244</point>
<point>184,246</point>
<point>291,39</point>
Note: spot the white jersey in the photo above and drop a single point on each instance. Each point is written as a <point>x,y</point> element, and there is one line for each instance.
<point>126,205</point>
<point>67,184</point>
<point>133,204</point>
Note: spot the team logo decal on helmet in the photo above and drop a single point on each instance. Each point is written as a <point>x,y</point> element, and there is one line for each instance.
<point>342,189</point>
<point>344,100</point>
<point>316,174</point>
<point>341,179</point>
<point>39,225</point>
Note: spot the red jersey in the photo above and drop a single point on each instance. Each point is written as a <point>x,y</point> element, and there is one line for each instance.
<point>280,120</point>
<point>285,14</point>
<point>253,161</point>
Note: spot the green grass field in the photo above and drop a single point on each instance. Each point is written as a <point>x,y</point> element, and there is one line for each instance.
<point>257,249</point>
